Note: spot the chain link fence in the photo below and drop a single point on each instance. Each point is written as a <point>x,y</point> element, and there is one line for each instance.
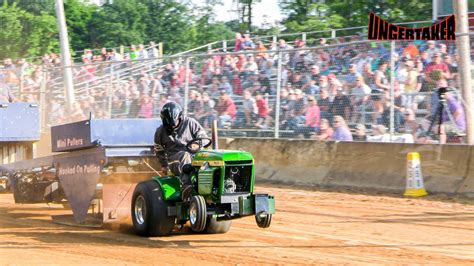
<point>350,91</point>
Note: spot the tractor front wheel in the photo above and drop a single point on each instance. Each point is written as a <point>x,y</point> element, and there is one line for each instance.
<point>150,210</point>
<point>197,213</point>
<point>263,220</point>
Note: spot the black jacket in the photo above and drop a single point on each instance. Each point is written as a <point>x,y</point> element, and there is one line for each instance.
<point>169,143</point>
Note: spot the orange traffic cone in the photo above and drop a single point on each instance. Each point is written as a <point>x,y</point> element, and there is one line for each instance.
<point>415,187</point>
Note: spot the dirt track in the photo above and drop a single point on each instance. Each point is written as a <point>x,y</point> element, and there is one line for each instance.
<point>309,227</point>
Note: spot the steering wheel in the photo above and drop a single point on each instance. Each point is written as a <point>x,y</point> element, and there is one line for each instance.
<point>198,143</point>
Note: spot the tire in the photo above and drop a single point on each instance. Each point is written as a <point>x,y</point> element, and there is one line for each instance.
<point>197,213</point>
<point>263,220</point>
<point>150,211</point>
<point>217,227</point>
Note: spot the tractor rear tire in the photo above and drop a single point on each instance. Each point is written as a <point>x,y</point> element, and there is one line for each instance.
<point>263,220</point>
<point>197,213</point>
<point>217,227</point>
<point>150,210</point>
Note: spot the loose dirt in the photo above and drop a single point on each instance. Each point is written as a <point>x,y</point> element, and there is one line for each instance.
<point>310,227</point>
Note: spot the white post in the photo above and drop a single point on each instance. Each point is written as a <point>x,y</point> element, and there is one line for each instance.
<point>392,83</point>
<point>65,54</point>
<point>435,10</point>
<point>278,89</point>
<point>186,88</point>
<point>462,43</point>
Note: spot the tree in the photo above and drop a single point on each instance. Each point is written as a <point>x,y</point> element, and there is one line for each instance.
<point>316,15</point>
<point>245,11</point>
<point>36,7</point>
<point>78,19</point>
<point>169,22</point>
<point>306,15</point>
<point>24,34</point>
<point>207,30</point>
<point>121,22</point>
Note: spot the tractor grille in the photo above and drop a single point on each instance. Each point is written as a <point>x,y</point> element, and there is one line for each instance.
<point>241,175</point>
<point>238,162</point>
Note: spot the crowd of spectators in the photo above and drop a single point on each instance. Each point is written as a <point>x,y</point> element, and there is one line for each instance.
<point>338,90</point>
<point>328,92</point>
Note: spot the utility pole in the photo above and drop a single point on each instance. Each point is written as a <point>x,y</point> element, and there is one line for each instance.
<point>462,43</point>
<point>65,54</point>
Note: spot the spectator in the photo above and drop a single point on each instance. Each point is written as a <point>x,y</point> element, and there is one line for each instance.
<point>225,85</point>
<point>452,66</point>
<point>312,117</point>
<point>322,42</point>
<point>285,60</point>
<point>262,107</point>
<point>195,104</point>
<point>360,99</point>
<point>342,132</point>
<point>146,107</point>
<point>379,134</point>
<point>226,109</point>
<point>153,51</point>
<point>368,74</point>
<point>324,103</point>
<point>310,88</point>
<point>399,108</point>
<point>360,60</point>
<point>411,125</point>
<point>174,96</point>
<point>315,74</point>
<point>247,43</point>
<point>411,51</point>
<point>323,83</point>
<point>5,93</point>
<point>142,53</point>
<point>325,131</point>
<point>262,50</point>
<point>162,101</point>
<point>237,84</point>
<point>360,133</point>
<point>134,54</point>
<point>341,105</point>
<point>350,81</point>
<point>238,42</point>
<point>380,86</point>
<point>297,111</point>
<point>207,113</point>
<point>297,80</point>
<point>443,50</point>
<point>248,112</point>
<point>435,71</point>
<point>453,118</point>
<point>431,49</point>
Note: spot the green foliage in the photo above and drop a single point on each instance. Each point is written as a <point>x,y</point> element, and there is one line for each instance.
<point>171,23</point>
<point>35,7</point>
<point>78,20</point>
<point>310,15</point>
<point>29,27</point>
<point>206,29</point>
<point>24,34</point>
<point>118,23</point>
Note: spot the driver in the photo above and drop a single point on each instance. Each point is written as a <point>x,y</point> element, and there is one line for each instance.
<point>171,139</point>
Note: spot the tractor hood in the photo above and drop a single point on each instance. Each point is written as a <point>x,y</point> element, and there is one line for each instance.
<point>223,155</point>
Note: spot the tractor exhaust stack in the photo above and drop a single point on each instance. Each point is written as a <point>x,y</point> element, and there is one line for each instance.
<point>215,145</point>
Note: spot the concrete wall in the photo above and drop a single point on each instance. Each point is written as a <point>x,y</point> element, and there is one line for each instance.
<point>381,166</point>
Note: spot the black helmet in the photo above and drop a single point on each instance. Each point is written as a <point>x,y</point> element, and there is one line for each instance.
<point>171,115</point>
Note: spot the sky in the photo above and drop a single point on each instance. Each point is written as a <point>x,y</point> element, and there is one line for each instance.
<point>267,11</point>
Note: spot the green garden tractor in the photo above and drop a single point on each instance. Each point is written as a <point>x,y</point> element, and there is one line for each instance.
<point>223,182</point>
